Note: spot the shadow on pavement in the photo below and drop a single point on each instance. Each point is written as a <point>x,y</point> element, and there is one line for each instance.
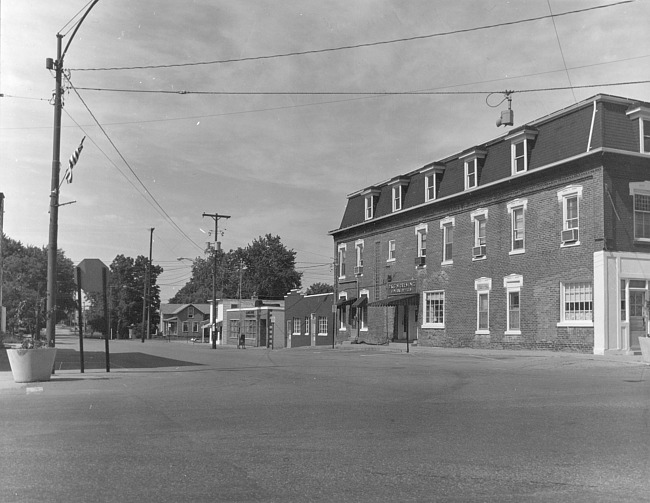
<point>68,359</point>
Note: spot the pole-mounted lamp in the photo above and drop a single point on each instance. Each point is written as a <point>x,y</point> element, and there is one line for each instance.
<point>57,66</point>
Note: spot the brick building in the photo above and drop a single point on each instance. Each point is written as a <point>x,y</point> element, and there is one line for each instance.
<point>308,319</point>
<point>539,239</point>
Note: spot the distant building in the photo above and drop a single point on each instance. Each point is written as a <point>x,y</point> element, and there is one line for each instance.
<point>538,239</point>
<point>184,320</point>
<point>261,325</point>
<point>309,319</point>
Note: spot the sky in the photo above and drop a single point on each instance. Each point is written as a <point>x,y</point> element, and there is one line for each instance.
<point>275,142</point>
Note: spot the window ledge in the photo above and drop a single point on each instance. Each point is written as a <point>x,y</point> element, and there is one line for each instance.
<point>517,252</point>
<point>433,325</point>
<point>570,245</point>
<point>482,332</point>
<point>476,259</point>
<point>512,332</point>
<point>641,241</point>
<point>363,329</point>
<point>567,324</point>
<point>391,260</point>
<point>447,262</point>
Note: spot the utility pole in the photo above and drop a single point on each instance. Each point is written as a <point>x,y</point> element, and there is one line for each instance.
<point>3,326</point>
<point>145,296</point>
<point>57,66</point>
<point>217,246</point>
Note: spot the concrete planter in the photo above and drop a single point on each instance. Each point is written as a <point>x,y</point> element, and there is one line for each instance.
<point>31,365</point>
<point>644,342</point>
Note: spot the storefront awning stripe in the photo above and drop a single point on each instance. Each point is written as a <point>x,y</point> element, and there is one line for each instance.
<point>398,300</point>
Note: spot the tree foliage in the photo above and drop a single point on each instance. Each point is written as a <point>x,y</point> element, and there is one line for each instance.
<point>25,286</point>
<point>126,296</point>
<point>317,288</point>
<point>265,267</point>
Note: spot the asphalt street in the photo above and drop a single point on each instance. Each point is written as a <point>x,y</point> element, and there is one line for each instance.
<point>177,421</point>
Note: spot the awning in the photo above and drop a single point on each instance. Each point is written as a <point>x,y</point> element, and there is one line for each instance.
<point>360,302</point>
<point>397,300</point>
<point>344,302</point>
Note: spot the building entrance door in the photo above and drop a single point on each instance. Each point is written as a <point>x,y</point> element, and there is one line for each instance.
<point>637,322</point>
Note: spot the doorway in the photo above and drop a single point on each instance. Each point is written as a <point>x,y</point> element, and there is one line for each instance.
<point>637,322</point>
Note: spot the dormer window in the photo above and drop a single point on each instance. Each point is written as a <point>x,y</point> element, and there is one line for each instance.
<point>398,191</point>
<point>371,196</point>
<point>432,179</point>
<point>642,115</point>
<point>521,143</point>
<point>473,161</point>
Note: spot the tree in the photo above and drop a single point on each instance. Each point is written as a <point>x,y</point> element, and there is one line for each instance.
<point>317,288</point>
<point>126,293</point>
<point>269,271</point>
<point>25,286</point>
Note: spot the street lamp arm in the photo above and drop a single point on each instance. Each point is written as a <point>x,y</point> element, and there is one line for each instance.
<point>76,29</point>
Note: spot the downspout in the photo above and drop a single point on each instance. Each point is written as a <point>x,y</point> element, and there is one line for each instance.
<point>591,129</point>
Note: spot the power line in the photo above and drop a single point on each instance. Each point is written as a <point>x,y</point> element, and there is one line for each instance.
<point>318,103</point>
<point>164,213</point>
<point>557,36</point>
<point>354,46</point>
<point>357,93</point>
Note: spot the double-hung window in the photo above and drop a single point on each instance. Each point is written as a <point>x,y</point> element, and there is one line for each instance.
<point>434,309</point>
<point>513,285</point>
<point>577,304</point>
<point>296,326</point>
<point>421,237</point>
<point>397,197</point>
<point>521,143</point>
<point>472,162</point>
<point>371,196</point>
<point>569,198</point>
<point>322,325</point>
<point>447,227</point>
<point>358,247</point>
<point>362,309</point>
<point>398,187</point>
<point>341,260</point>
<point>483,287</point>
<point>432,178</point>
<point>517,211</point>
<point>640,192</point>
<point>642,115</point>
<point>392,254</point>
<point>479,218</point>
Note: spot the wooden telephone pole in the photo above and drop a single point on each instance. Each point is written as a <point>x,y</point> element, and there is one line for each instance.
<point>217,246</point>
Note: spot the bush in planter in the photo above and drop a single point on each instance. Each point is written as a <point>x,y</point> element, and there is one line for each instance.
<point>32,362</point>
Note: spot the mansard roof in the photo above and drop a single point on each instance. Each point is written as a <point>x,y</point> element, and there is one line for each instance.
<point>598,122</point>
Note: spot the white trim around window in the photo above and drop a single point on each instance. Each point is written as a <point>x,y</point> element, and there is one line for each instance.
<point>513,284</point>
<point>483,286</point>
<point>642,115</point>
<point>640,192</point>
<point>479,219</point>
<point>576,304</point>
<point>433,303</point>
<point>341,260</point>
<point>421,231</point>
<point>362,311</point>
<point>392,251</point>
<point>447,225</point>
<point>570,197</point>
<point>342,312</point>
<point>517,211</point>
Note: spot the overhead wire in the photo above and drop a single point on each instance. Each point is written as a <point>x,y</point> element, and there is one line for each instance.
<point>355,46</point>
<point>357,93</point>
<point>557,36</point>
<point>153,199</point>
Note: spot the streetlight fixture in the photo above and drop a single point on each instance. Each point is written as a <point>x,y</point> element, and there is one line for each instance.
<point>57,66</point>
